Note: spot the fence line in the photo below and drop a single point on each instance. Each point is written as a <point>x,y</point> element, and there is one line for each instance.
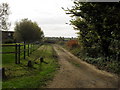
<point>26,49</point>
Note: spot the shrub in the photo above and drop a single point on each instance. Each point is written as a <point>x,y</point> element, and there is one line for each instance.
<point>114,67</point>
<point>72,43</point>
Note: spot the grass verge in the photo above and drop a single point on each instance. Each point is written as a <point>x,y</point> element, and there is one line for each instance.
<point>21,76</point>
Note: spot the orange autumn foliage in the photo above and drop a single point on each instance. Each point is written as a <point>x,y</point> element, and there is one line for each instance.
<point>72,43</point>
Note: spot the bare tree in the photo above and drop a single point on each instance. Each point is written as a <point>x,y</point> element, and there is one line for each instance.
<point>4,13</point>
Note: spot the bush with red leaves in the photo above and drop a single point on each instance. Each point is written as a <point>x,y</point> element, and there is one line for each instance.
<point>72,43</point>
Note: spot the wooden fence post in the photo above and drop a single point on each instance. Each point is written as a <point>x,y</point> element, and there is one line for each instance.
<point>16,53</point>
<point>24,50</point>
<point>3,73</point>
<point>19,54</point>
<point>32,47</point>
<point>28,49</point>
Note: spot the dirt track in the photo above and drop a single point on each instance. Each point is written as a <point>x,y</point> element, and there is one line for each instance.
<point>84,76</point>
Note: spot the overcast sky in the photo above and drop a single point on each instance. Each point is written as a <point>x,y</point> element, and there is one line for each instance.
<point>47,13</point>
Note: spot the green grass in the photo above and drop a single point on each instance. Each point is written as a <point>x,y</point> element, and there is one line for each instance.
<point>8,58</point>
<point>21,76</point>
